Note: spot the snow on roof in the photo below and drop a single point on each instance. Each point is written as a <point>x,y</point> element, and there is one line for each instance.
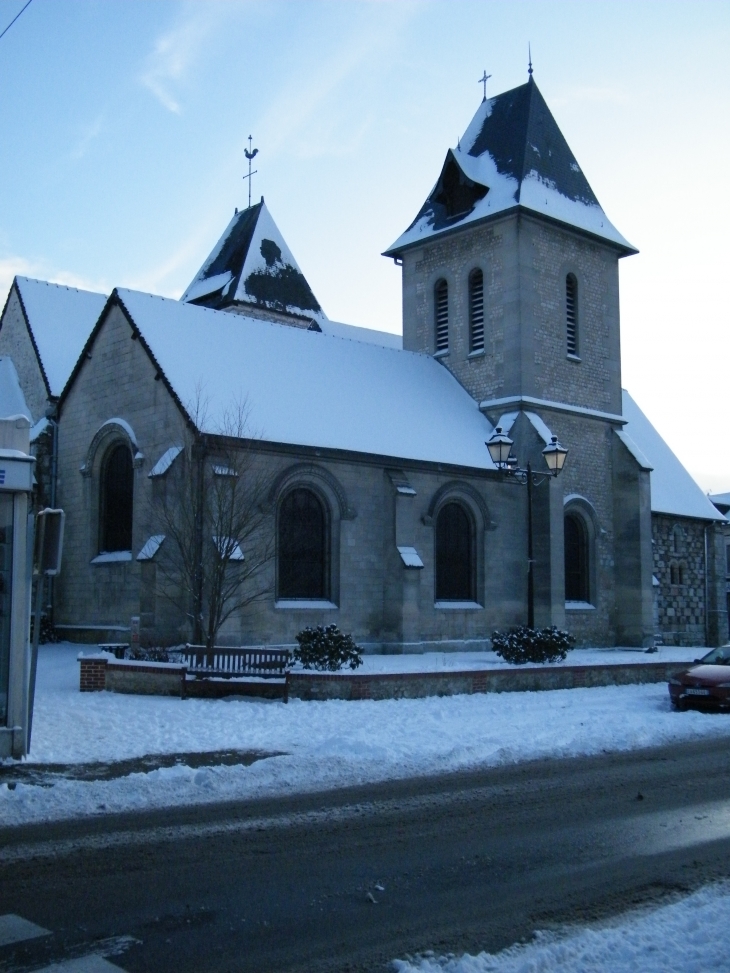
<point>165,461</point>
<point>61,319</point>
<point>311,389</point>
<point>673,491</point>
<point>12,400</point>
<point>252,264</point>
<point>151,547</point>
<point>512,154</point>
<point>385,338</point>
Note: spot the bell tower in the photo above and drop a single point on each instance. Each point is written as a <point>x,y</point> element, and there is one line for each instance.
<point>510,269</point>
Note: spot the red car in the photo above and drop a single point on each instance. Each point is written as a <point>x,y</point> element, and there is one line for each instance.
<point>706,685</point>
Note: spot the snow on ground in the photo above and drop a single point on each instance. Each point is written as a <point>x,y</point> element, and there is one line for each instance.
<point>461,661</point>
<point>325,744</point>
<point>688,936</point>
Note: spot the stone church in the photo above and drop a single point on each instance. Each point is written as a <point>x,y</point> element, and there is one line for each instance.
<point>383,510</point>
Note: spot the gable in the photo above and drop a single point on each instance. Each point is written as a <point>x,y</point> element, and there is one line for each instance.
<point>59,319</point>
<point>17,345</point>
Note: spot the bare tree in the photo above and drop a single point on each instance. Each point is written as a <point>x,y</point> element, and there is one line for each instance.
<point>211,507</point>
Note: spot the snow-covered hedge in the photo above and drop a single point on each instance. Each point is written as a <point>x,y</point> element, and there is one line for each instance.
<point>523,644</point>
<point>327,649</point>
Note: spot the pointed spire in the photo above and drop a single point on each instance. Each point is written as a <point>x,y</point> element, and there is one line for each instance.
<point>529,60</point>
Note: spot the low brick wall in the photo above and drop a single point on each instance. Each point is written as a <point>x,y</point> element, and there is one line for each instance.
<point>417,685</point>
<point>92,677</point>
<point>99,672</point>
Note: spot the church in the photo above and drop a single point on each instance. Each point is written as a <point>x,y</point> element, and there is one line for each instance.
<point>382,509</point>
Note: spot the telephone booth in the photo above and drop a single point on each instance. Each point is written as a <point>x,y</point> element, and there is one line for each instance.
<point>16,484</point>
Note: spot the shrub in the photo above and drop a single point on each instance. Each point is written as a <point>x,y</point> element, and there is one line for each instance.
<point>521,645</point>
<point>140,654</point>
<point>326,649</point>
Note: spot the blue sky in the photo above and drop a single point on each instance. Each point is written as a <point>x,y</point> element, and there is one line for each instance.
<point>125,121</point>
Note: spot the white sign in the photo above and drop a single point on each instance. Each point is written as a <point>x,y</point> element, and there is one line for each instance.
<point>16,474</point>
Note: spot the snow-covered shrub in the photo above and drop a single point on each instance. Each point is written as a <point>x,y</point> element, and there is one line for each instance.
<point>326,649</point>
<point>140,654</point>
<point>521,645</point>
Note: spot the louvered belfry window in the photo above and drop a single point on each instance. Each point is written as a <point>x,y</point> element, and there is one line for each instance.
<point>441,310</point>
<point>571,313</point>
<point>476,310</point>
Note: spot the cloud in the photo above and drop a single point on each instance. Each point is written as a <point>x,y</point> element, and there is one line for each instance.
<point>91,133</point>
<point>291,114</point>
<point>177,50</point>
<point>12,266</point>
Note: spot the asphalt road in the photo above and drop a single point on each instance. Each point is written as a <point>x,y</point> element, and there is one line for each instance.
<point>351,879</point>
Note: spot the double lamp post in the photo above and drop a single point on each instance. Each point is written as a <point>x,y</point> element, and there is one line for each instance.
<point>500,449</point>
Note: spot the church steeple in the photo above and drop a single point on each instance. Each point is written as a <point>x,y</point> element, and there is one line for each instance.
<point>251,267</point>
<point>512,155</point>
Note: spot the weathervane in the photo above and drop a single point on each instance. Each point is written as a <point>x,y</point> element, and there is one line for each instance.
<point>529,59</point>
<point>483,80</point>
<point>250,153</point>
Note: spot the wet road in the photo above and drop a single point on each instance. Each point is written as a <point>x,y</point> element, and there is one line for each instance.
<point>351,879</point>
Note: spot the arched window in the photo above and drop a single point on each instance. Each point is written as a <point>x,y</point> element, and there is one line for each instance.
<point>441,314</point>
<point>117,494</point>
<point>454,554</point>
<point>677,539</point>
<point>571,313</point>
<point>577,574</point>
<point>303,546</point>
<point>476,310</point>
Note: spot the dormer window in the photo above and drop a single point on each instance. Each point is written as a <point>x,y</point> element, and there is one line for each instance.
<point>476,310</point>
<point>441,315</point>
<point>456,192</point>
<point>571,314</point>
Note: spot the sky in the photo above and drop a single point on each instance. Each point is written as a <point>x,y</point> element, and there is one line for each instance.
<point>125,122</point>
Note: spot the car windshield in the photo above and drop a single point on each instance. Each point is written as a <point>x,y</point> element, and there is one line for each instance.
<point>718,657</point>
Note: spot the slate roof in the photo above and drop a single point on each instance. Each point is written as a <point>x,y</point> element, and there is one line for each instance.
<point>512,155</point>
<point>308,388</point>
<point>59,320</point>
<point>252,264</point>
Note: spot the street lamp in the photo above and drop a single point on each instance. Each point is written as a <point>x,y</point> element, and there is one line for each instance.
<point>500,449</point>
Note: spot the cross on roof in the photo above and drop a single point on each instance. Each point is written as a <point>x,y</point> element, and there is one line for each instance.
<point>483,80</point>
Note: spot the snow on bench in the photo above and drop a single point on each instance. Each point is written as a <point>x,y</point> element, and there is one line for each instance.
<point>231,662</point>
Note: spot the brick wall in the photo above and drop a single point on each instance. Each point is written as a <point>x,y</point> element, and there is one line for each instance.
<point>92,675</point>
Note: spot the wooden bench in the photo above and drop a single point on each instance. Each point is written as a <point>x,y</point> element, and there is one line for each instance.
<point>233,662</point>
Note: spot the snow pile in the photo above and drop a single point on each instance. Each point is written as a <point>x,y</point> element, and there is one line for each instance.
<point>689,936</point>
<point>325,745</point>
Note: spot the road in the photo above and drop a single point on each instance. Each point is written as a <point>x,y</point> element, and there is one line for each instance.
<point>348,880</point>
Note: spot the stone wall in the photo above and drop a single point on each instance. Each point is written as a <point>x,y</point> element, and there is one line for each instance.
<point>525,263</point>
<point>679,567</point>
